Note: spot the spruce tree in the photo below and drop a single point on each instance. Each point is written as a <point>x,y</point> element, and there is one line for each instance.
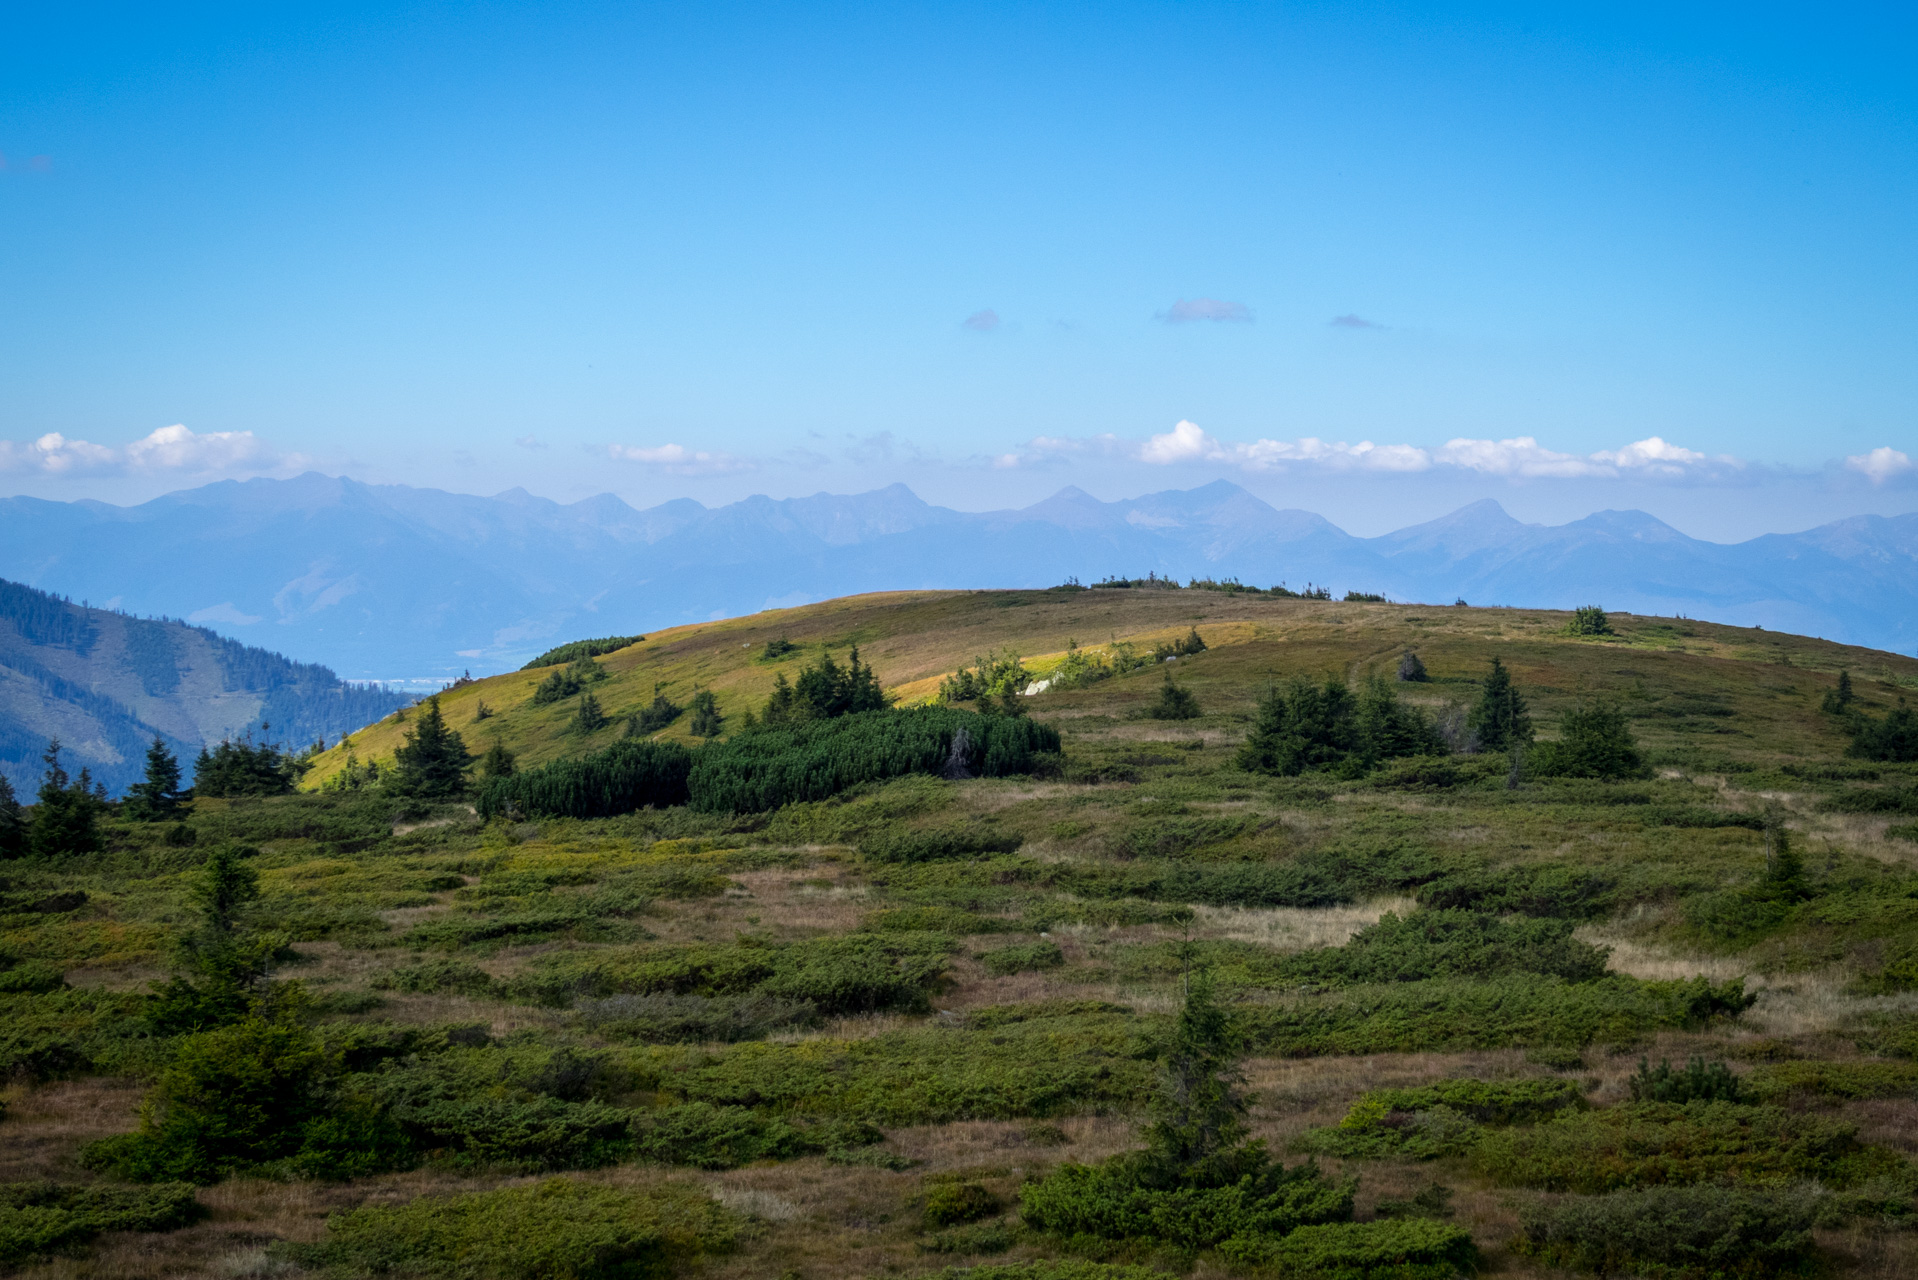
<point>1198,1131</point>
<point>1412,669</point>
<point>1500,719</point>
<point>1175,703</point>
<point>589,718</point>
<point>498,762</point>
<point>1838,701</point>
<point>707,721</point>
<point>13,822</point>
<point>64,812</point>
<point>158,797</point>
<point>221,969</point>
<point>431,764</point>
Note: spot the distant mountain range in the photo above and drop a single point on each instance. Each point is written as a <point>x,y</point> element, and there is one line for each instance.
<point>106,683</point>
<point>392,582</point>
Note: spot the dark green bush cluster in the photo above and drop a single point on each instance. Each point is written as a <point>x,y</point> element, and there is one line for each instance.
<point>1676,1233</point>
<point>1538,890</point>
<point>1699,1081</point>
<point>812,760</point>
<point>1052,1269</point>
<point>1654,1144</point>
<point>1028,957</point>
<point>949,1204</point>
<point>577,649</point>
<point>1445,1117</point>
<point>556,1228</point>
<point>42,1218</point>
<point>1442,944</point>
<point>1304,726</point>
<point>1406,1249</point>
<point>940,844</point>
<point>1871,1078</point>
<point>666,1018</point>
<point>1112,1202</point>
<point>631,774</point>
<point>67,1031</point>
<point>1595,741</point>
<point>1895,738</point>
<point>568,680</point>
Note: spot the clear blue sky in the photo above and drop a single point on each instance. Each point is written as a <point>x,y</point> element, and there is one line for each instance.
<point>722,249</point>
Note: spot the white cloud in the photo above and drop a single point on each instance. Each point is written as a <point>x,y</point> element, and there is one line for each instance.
<point>1522,456</point>
<point>1188,442</point>
<point>1652,454</point>
<point>1881,464</point>
<point>981,321</point>
<point>1187,310</point>
<point>679,460</point>
<point>1184,443</point>
<point>224,613</point>
<point>173,448</point>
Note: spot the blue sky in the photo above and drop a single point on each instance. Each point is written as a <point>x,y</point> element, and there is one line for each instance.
<point>986,250</point>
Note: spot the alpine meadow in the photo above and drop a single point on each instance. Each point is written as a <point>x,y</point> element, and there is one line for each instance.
<point>1109,933</point>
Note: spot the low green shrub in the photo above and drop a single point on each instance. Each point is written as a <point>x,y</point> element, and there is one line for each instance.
<point>1442,1118</point>
<point>1051,1269</point>
<point>1570,893</point>
<point>950,1204</point>
<point>667,1018</point>
<point>1676,1233</point>
<point>1654,1144</point>
<point>974,1238</point>
<point>938,845</point>
<point>1403,1249</point>
<point>434,976</point>
<point>1518,1009</point>
<point>42,1218</point>
<point>1440,943</point>
<point>1873,800</point>
<point>1110,1201</point>
<point>709,1137</point>
<point>1700,1081</point>
<point>556,1228</point>
<point>1028,957</point>
<point>1847,1081</point>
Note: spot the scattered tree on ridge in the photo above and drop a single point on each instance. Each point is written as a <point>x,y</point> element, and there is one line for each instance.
<point>707,721</point>
<point>431,763</point>
<point>1175,703</point>
<point>1838,701</point>
<point>66,811</point>
<point>1500,719</point>
<point>158,797</point>
<point>1589,620</point>
<point>1412,670</point>
<point>13,822</point>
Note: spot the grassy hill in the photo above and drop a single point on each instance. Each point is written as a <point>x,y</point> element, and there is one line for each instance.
<point>1685,680</point>
<point>870,1035</point>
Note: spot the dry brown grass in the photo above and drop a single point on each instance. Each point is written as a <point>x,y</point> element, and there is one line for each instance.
<point>1295,928</point>
<point>46,1126</point>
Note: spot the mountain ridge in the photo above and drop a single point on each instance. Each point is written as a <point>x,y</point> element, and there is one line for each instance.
<point>395,581</point>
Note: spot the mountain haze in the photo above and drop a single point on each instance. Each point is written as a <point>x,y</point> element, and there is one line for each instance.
<point>395,582</point>
<point>105,683</point>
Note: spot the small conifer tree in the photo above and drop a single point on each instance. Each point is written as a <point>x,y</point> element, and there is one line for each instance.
<point>1589,620</point>
<point>65,812</point>
<point>221,969</point>
<point>157,798</point>
<point>431,764</point>
<point>1838,701</point>
<point>707,721</point>
<point>589,718</point>
<point>1412,670</point>
<point>13,822</point>
<point>1175,702</point>
<point>498,762</point>
<point>1500,717</point>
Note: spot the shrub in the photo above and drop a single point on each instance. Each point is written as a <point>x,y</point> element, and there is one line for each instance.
<point>1700,1081</point>
<point>1589,620</point>
<point>1653,1144</point>
<point>1595,742</point>
<point>1675,1233</point>
<point>1407,1249</point>
<point>568,680</point>
<point>1412,669</point>
<point>949,1204</point>
<point>1895,738</point>
<point>1109,1202</point>
<point>557,1228</point>
<point>626,776</point>
<point>1846,1080</point>
<point>1873,800</point>
<point>1175,702</point>
<point>1442,1118</point>
<point>1052,1269</point>
<point>667,1018</point>
<point>41,1218</point>
<point>811,760</point>
<point>709,1137</point>
<point>938,845</point>
<point>1023,958</point>
<point>435,976</point>
<point>1438,944</point>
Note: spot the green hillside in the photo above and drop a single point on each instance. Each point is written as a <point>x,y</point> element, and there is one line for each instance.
<point>903,1028</point>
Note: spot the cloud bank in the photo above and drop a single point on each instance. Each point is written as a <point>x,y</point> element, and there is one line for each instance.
<point>1521,457</point>
<point>678,460</point>
<point>168,449</point>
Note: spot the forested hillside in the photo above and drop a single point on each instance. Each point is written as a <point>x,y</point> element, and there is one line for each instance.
<point>105,683</point>
<point>1113,934</point>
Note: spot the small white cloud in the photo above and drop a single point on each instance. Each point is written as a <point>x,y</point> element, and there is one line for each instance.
<point>529,442</point>
<point>1188,310</point>
<point>1186,442</point>
<point>173,448</point>
<point>679,460</point>
<point>223,613</point>
<point>981,321</point>
<point>1651,454</point>
<point>1354,322</point>
<point>1881,464</point>
<point>1521,456</point>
